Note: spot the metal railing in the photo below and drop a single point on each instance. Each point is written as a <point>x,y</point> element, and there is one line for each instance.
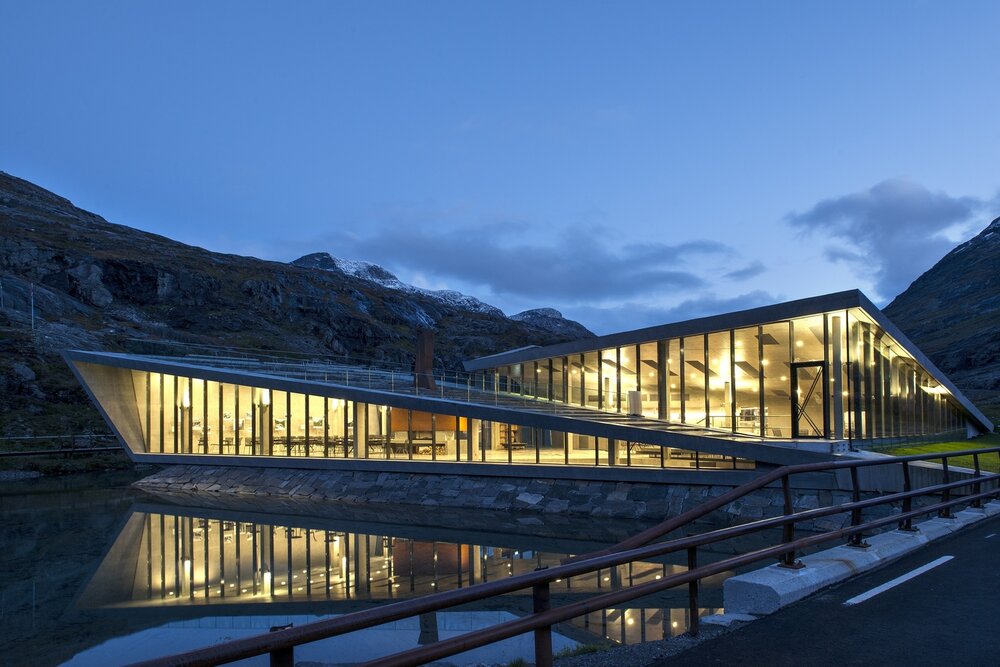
<point>281,643</point>
<point>64,445</point>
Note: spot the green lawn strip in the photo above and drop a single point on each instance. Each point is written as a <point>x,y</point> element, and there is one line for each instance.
<point>987,462</point>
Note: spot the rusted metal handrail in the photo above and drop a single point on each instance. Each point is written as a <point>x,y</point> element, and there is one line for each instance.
<point>279,644</point>
<point>471,640</point>
<point>709,506</point>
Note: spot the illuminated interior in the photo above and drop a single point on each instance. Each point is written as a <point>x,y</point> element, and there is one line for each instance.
<point>158,413</point>
<point>831,375</point>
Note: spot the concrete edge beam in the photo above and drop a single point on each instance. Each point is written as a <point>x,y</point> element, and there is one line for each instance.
<point>768,589</point>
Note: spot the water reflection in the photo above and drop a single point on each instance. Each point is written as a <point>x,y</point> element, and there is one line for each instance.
<point>237,563</point>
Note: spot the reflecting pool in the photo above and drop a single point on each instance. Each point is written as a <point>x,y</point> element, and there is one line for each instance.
<point>100,573</point>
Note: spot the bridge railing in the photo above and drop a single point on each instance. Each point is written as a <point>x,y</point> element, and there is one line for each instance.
<point>971,490</point>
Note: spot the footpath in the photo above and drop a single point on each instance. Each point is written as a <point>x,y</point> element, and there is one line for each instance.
<point>936,606</point>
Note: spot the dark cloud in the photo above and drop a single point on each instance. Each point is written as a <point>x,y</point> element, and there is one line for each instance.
<point>754,269</point>
<point>895,230</point>
<point>583,264</point>
<point>632,315</point>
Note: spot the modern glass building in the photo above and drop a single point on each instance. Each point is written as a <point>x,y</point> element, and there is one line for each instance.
<point>779,384</point>
<point>831,367</point>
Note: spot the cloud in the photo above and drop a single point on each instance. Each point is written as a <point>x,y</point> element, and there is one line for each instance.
<point>576,264</point>
<point>636,315</point>
<point>893,231</point>
<point>754,269</point>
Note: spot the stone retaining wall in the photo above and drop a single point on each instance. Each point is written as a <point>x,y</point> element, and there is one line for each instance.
<point>572,497</point>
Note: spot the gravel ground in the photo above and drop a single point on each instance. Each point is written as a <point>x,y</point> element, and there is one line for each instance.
<point>637,655</point>
<point>634,655</point>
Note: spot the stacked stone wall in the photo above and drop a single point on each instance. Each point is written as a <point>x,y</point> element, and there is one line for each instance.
<point>631,500</point>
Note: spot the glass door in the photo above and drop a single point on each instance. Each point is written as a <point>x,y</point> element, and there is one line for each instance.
<point>809,400</point>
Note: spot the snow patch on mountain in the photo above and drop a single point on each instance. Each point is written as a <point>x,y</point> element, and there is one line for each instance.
<point>380,276</point>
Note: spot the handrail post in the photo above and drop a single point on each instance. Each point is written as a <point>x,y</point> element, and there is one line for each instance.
<point>856,539</point>
<point>694,619</point>
<point>541,600</point>
<point>907,523</point>
<point>978,488</point>
<point>945,512</point>
<point>282,657</point>
<point>788,531</point>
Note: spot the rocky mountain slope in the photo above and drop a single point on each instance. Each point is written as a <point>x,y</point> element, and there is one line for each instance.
<point>380,276</point>
<point>548,319</point>
<point>952,312</point>
<point>98,285</point>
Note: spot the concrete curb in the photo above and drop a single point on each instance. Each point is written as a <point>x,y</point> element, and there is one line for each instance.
<point>767,590</point>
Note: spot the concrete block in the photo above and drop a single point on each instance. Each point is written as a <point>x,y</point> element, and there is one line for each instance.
<point>767,590</point>
<point>727,619</point>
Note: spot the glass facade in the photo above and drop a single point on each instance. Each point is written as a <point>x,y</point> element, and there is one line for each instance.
<point>184,415</point>
<point>831,375</point>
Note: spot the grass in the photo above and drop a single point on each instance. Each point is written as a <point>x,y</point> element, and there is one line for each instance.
<point>987,462</point>
<point>582,649</point>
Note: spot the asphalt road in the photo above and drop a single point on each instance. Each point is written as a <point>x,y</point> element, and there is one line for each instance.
<point>948,615</point>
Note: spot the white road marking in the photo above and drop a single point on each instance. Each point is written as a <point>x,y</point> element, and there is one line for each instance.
<point>989,536</point>
<point>897,581</point>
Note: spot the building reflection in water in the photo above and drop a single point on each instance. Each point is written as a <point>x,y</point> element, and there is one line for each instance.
<point>170,560</point>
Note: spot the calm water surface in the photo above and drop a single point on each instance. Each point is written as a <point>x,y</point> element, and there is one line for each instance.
<point>95,572</point>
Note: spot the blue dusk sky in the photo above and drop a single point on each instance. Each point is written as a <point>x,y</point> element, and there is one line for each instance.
<point>626,163</point>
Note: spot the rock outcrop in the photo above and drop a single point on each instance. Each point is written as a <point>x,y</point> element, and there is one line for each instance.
<point>98,285</point>
<point>552,320</point>
<point>952,312</point>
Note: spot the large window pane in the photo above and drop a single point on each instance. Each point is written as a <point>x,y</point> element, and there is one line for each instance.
<point>609,380</point>
<point>213,418</point>
<point>576,380</point>
<point>720,403</point>
<point>747,365</point>
<point>156,403</point>
<point>777,381</point>
<point>648,372</point>
<point>694,380</point>
<point>628,376</point>
<point>558,379</point>
<point>590,380</point>
<point>674,384</point>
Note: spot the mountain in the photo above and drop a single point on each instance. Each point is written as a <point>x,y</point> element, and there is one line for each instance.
<point>376,274</point>
<point>952,312</point>
<point>546,319</point>
<point>552,320</point>
<point>98,285</point>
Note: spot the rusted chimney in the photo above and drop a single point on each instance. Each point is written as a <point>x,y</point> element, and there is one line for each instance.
<point>423,366</point>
